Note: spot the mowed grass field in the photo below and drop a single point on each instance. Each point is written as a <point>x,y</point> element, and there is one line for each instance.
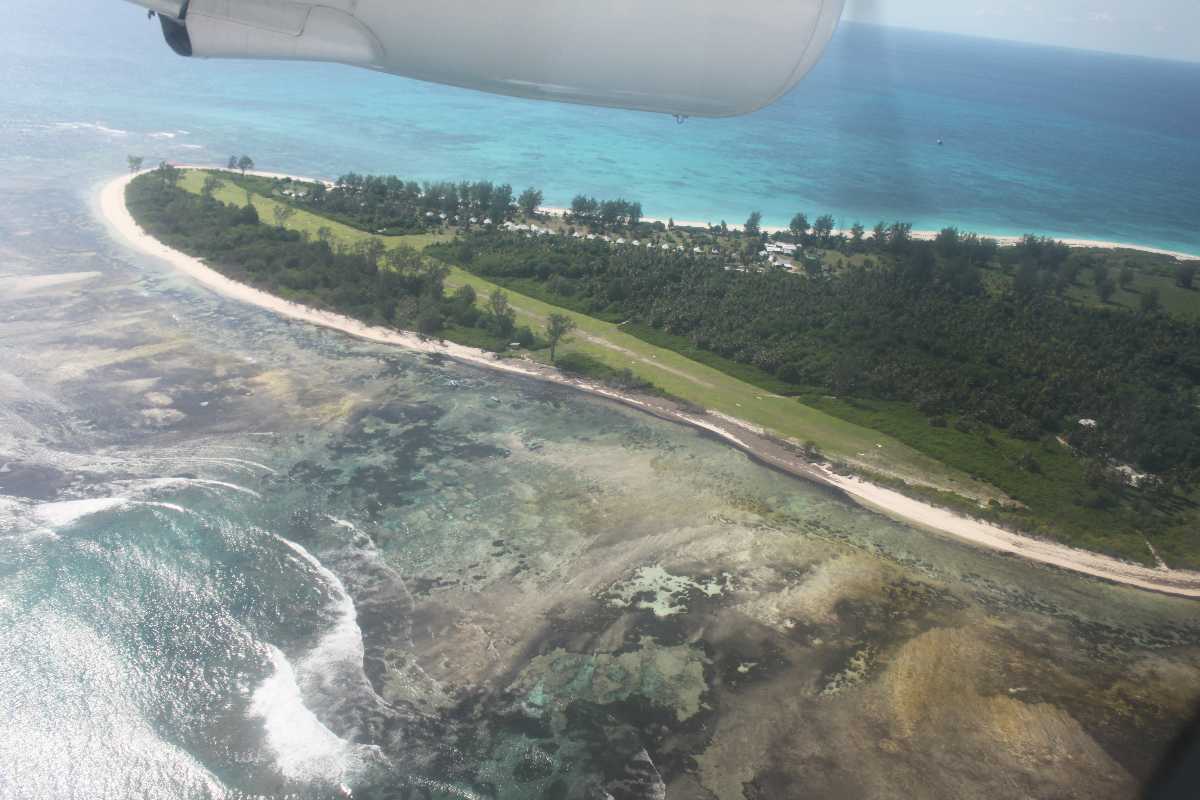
<point>680,376</point>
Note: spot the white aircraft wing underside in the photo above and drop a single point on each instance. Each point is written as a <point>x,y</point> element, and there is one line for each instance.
<point>684,57</point>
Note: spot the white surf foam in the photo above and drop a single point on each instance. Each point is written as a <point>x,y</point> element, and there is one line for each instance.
<point>15,518</point>
<point>304,749</point>
<point>342,646</point>
<point>62,513</point>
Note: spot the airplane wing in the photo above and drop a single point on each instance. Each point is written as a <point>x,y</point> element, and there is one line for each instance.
<point>685,57</point>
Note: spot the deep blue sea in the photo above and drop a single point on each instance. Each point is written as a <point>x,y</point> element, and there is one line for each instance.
<point>243,557</point>
<point>1043,140</point>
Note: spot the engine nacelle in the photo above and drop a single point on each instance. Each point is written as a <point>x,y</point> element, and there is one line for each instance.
<point>687,57</point>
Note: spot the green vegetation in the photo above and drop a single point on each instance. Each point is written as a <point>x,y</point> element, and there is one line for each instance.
<point>753,225</point>
<point>362,279</point>
<point>264,195</point>
<point>980,377</point>
<point>1144,282</point>
<point>390,203</point>
<point>954,369</point>
<point>529,201</point>
<point>557,328</point>
<point>702,385</point>
<point>391,206</point>
<point>922,331</point>
<point>679,344</point>
<point>1058,493</point>
<point>606,214</point>
<point>241,164</point>
<point>586,366</point>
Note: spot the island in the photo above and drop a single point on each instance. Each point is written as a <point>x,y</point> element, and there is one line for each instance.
<point>1021,394</point>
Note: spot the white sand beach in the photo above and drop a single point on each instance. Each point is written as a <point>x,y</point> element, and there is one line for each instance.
<point>738,433</point>
<point>929,235</point>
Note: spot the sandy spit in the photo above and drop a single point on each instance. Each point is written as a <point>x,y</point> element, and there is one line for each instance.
<point>746,437</point>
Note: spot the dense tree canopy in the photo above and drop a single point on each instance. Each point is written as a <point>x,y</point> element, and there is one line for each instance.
<point>606,213</point>
<point>918,328</point>
<point>397,287</point>
<point>529,201</point>
<point>389,204</point>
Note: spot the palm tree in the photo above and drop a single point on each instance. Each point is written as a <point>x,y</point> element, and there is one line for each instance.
<point>135,163</point>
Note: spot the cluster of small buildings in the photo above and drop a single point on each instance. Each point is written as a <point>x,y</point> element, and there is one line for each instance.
<point>773,252</point>
<point>472,220</point>
<point>535,230</point>
<point>779,252</point>
<point>530,229</point>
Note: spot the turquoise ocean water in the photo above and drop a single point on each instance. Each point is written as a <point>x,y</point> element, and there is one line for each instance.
<point>246,558</point>
<point>1037,139</point>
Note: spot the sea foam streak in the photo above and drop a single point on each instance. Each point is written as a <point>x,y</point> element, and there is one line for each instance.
<point>150,484</point>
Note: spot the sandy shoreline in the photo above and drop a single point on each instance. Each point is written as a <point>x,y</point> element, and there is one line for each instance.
<point>930,235</point>
<point>742,435</point>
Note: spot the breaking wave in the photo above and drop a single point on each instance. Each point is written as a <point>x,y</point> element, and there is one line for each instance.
<point>304,748</point>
